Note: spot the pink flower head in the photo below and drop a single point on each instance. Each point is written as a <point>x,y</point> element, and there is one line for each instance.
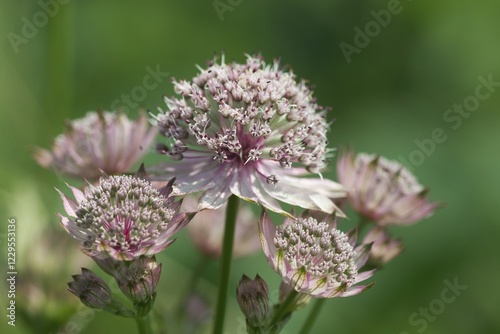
<point>250,130</point>
<point>314,257</point>
<point>101,142</point>
<point>207,229</point>
<point>382,190</point>
<point>122,217</point>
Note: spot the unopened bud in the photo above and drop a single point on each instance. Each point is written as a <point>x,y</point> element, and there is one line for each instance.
<point>142,308</point>
<point>138,279</point>
<point>91,289</point>
<point>253,298</point>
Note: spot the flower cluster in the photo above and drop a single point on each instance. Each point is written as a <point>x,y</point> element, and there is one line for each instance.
<point>314,257</point>
<point>249,130</point>
<point>383,191</point>
<point>123,217</point>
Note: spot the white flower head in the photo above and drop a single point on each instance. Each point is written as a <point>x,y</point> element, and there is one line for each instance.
<point>314,257</point>
<point>250,130</point>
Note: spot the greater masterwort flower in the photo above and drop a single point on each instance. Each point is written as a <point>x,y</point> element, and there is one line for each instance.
<point>123,217</point>
<point>383,191</point>
<point>314,257</point>
<point>100,142</point>
<point>250,130</point>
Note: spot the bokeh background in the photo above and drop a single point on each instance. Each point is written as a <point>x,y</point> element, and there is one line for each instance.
<point>394,90</point>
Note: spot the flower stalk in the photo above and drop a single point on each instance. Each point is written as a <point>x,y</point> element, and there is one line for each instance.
<point>312,316</point>
<point>143,325</point>
<point>225,268</point>
<point>284,307</point>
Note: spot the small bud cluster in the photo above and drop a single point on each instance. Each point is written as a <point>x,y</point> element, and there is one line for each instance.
<point>321,251</point>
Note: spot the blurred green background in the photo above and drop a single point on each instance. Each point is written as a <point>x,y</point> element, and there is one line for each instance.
<point>393,92</point>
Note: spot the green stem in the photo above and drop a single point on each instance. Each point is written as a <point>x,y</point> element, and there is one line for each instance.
<point>313,315</point>
<point>225,268</point>
<point>284,307</point>
<point>143,325</point>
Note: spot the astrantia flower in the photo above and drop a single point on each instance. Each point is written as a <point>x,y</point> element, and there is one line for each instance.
<point>383,191</point>
<point>314,257</point>
<point>207,229</point>
<point>250,130</point>
<point>123,217</point>
<point>100,142</point>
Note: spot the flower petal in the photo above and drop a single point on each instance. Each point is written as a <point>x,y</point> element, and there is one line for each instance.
<point>267,231</point>
<point>69,205</point>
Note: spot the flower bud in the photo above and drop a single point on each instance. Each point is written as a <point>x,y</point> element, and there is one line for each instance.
<point>91,289</point>
<point>138,279</point>
<point>252,296</point>
<point>142,308</point>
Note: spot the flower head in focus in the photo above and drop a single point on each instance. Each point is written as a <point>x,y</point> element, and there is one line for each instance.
<point>207,229</point>
<point>123,217</point>
<point>314,257</point>
<point>384,247</point>
<point>382,190</point>
<point>101,142</point>
<point>250,130</point>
